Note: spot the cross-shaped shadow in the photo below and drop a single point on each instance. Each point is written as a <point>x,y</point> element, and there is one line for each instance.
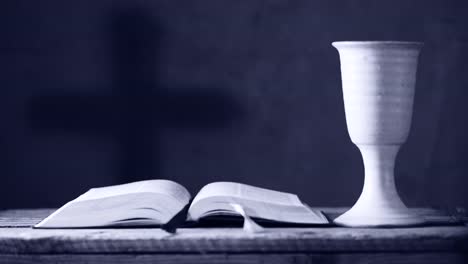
<point>138,107</point>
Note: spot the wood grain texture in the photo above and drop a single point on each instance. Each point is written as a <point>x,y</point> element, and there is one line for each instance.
<point>395,258</point>
<point>430,239</point>
<point>23,218</point>
<point>232,240</point>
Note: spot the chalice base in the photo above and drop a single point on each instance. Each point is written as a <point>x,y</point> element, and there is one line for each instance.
<point>370,212</point>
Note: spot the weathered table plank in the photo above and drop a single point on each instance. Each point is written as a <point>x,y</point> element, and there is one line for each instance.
<point>394,258</point>
<point>432,244</point>
<point>232,240</point>
<point>23,218</point>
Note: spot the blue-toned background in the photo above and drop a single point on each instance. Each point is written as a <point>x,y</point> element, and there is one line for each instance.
<point>100,92</point>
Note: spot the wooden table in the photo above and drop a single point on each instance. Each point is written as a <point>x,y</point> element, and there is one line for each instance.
<point>19,243</point>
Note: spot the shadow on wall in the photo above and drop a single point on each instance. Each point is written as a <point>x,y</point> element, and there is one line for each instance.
<point>138,107</point>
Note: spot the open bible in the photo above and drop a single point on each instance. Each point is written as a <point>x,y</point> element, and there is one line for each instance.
<point>156,202</point>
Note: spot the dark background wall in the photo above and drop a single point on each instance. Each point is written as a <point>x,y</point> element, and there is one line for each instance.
<point>103,92</point>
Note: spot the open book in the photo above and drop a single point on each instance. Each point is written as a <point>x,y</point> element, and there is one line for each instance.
<point>156,202</point>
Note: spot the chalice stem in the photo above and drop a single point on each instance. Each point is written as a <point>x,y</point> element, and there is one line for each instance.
<point>379,203</point>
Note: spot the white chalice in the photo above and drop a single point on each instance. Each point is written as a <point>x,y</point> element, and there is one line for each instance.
<point>378,79</point>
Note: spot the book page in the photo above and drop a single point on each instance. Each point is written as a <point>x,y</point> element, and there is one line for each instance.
<point>166,187</point>
<point>217,199</point>
<point>137,203</point>
<point>247,192</point>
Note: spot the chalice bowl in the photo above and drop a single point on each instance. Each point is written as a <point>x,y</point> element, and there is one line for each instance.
<point>378,79</point>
